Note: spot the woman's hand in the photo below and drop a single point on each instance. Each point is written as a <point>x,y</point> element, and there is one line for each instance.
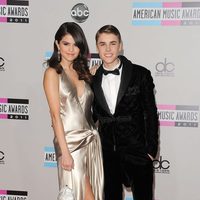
<point>93,69</point>
<point>67,162</point>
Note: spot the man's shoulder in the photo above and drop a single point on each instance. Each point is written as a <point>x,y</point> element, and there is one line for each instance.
<point>136,67</point>
<point>141,68</point>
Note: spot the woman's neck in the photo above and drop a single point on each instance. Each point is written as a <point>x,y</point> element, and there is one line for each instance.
<point>66,66</point>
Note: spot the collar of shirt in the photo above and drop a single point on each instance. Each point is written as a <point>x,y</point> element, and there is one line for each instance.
<point>113,68</point>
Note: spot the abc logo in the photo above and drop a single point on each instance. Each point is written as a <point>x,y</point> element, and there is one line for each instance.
<point>1,155</point>
<point>80,12</point>
<point>1,62</point>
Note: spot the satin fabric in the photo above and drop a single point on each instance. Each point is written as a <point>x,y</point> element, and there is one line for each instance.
<point>82,139</point>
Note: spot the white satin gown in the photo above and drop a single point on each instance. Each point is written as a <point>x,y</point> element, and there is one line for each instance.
<point>82,139</point>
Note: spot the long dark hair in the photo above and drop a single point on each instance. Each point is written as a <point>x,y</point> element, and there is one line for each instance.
<point>80,64</point>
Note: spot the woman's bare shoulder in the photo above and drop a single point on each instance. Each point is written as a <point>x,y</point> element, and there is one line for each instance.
<point>50,72</point>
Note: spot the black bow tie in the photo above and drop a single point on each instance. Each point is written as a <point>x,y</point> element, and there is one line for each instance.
<point>115,71</point>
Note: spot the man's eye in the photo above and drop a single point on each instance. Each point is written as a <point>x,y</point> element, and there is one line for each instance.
<point>101,44</point>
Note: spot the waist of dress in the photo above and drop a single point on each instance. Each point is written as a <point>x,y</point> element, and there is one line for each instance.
<point>76,139</point>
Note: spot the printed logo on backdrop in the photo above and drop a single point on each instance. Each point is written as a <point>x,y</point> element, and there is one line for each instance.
<point>14,11</point>
<point>48,55</point>
<point>14,109</point>
<point>80,12</point>
<point>161,165</point>
<point>94,59</point>
<point>179,115</point>
<point>49,157</point>
<point>165,68</point>
<point>2,63</point>
<point>166,13</point>
<point>129,198</point>
<point>13,195</point>
<point>2,157</point>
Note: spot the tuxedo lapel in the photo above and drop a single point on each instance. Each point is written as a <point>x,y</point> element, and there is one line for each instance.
<point>99,91</point>
<point>126,76</point>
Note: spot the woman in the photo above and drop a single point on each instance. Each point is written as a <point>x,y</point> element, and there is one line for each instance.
<point>77,143</point>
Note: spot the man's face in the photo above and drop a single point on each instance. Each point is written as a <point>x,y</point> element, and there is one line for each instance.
<point>109,47</point>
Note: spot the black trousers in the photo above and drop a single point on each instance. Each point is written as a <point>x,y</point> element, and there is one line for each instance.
<point>141,177</point>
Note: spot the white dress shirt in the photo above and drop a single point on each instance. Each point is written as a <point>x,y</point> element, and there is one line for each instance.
<point>110,86</point>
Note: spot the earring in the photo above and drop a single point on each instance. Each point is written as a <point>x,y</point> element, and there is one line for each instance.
<point>59,57</point>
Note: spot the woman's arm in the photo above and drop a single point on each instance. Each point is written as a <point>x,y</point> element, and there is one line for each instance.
<point>51,88</point>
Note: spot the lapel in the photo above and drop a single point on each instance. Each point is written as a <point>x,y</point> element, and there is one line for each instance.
<point>99,91</point>
<point>127,74</point>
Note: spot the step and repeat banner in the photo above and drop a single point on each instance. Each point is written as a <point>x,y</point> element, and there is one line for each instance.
<point>162,36</point>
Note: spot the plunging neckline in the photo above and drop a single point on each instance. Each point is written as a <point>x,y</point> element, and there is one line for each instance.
<point>72,84</point>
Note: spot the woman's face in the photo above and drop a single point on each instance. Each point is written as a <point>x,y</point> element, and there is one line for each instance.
<point>68,49</point>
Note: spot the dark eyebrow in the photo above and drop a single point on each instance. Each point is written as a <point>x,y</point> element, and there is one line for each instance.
<point>66,42</point>
<point>101,42</point>
<point>109,42</point>
<point>113,41</point>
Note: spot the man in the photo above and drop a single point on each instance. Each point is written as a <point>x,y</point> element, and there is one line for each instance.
<point>124,105</point>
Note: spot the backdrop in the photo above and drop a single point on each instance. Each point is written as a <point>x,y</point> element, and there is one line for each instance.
<point>162,36</point>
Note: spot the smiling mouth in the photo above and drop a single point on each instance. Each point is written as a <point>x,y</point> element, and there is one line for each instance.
<point>108,55</point>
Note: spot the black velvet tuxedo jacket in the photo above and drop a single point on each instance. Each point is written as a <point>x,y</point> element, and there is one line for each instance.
<point>133,129</point>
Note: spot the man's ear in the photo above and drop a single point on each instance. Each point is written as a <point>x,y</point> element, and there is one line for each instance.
<point>97,49</point>
<point>121,49</point>
<point>121,46</point>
